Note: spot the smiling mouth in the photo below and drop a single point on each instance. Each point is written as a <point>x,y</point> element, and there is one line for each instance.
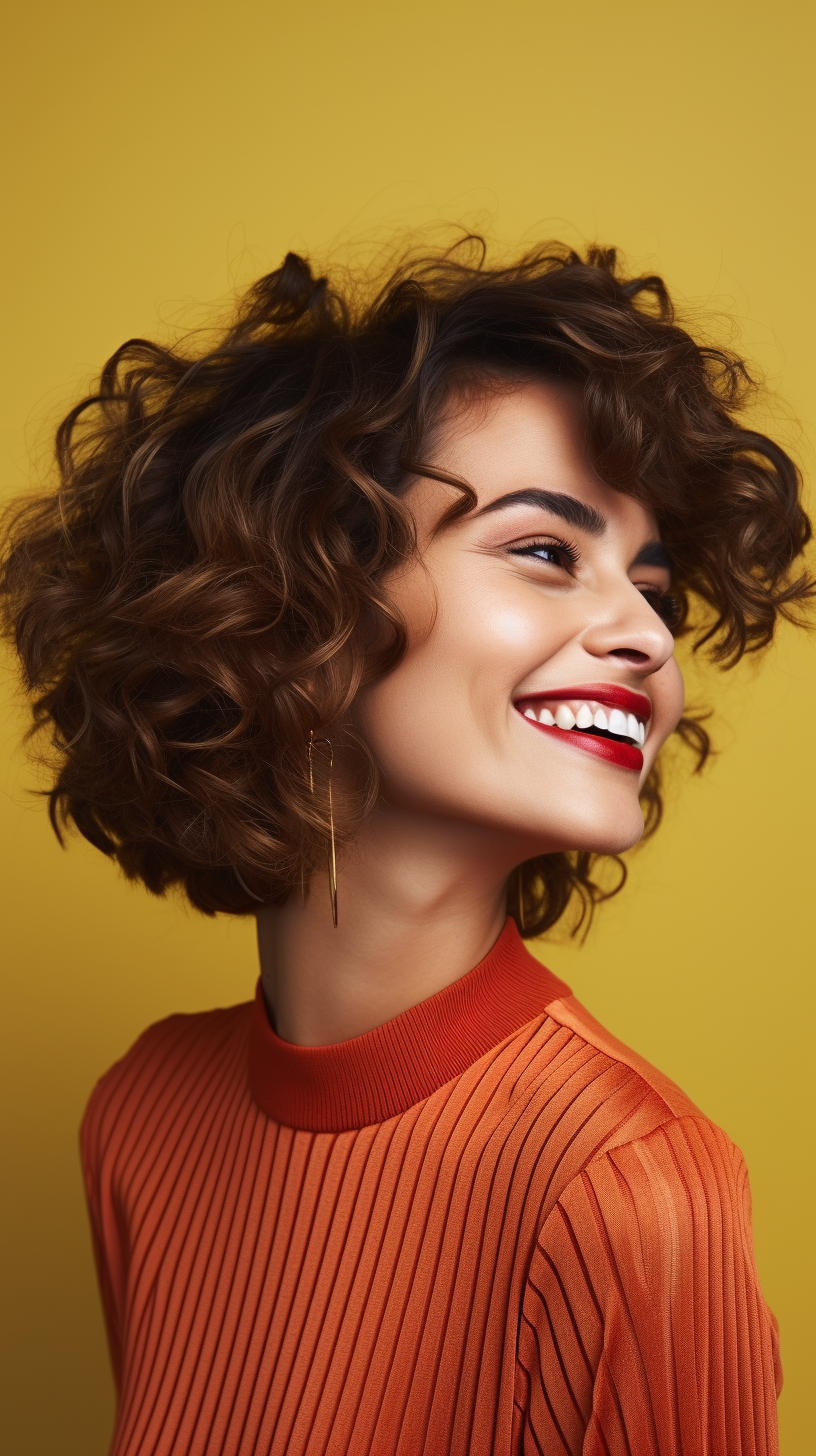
<point>586,715</point>
<point>605,724</point>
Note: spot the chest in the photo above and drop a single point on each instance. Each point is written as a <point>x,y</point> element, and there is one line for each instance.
<point>329,1293</point>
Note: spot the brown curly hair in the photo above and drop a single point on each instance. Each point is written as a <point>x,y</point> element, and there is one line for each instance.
<point>205,586</point>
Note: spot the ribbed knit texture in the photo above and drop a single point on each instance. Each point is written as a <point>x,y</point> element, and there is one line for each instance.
<point>536,1244</point>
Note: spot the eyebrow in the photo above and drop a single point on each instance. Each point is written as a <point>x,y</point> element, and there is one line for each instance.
<point>573,511</point>
<point>653,553</point>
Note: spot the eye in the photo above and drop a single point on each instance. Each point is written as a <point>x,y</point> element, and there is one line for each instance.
<point>553,553</point>
<point>664,604</point>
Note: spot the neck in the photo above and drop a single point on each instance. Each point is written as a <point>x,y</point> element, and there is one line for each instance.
<point>421,901</point>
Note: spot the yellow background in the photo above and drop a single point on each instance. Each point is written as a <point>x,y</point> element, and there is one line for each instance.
<point>163,154</point>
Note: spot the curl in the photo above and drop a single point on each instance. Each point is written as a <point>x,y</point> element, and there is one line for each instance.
<point>209,580</point>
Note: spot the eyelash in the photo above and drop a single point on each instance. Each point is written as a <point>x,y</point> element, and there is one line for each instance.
<point>662,603</point>
<point>665,605</point>
<point>532,548</point>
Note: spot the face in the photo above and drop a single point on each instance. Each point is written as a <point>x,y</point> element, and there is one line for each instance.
<point>539,680</point>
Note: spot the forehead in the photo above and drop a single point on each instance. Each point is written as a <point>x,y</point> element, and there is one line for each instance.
<point>535,421</point>
<point>516,436</point>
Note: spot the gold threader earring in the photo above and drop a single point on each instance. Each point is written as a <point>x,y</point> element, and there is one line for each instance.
<point>324,743</point>
<point>520,893</point>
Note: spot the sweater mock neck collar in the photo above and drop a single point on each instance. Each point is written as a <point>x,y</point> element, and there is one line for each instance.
<point>353,1084</point>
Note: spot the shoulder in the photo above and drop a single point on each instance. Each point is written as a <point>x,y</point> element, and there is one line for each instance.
<point>643,1285</point>
<point>656,1189</point>
<point>568,1012</point>
<point>659,1227</point>
<point>570,1093</point>
<point>582,1092</point>
<point>659,1167</point>
<point>171,1064</point>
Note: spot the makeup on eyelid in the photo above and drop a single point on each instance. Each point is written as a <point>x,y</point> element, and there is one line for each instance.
<point>660,599</point>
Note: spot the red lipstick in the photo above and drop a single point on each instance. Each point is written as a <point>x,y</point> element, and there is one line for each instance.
<point>625,755</point>
<point>609,695</point>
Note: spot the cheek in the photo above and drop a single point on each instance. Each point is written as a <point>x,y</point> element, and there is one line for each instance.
<point>433,702</point>
<point>489,635</point>
<point>507,628</point>
<point>467,636</point>
<point>438,724</point>
<point>482,646</point>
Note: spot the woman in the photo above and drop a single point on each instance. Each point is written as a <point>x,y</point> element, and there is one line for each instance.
<point>363,621</point>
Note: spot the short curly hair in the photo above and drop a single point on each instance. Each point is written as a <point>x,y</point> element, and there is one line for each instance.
<point>205,585</point>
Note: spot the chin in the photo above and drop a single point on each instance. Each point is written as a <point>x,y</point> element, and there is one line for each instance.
<point>594,833</point>
<point>615,841</point>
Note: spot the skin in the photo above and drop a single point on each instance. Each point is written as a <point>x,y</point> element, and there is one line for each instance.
<point>469,787</point>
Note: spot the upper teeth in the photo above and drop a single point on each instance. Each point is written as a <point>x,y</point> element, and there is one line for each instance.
<point>588,715</point>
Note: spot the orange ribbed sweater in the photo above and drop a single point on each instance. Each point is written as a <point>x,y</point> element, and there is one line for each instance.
<point>485,1227</point>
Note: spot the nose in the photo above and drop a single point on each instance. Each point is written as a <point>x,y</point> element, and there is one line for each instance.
<point>627,629</point>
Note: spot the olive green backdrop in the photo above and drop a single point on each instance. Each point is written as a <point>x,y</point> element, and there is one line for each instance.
<point>161,155</point>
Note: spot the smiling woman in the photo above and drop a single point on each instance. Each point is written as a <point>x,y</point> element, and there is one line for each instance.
<point>363,622</point>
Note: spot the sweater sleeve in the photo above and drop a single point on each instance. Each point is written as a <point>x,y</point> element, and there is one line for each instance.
<point>643,1327</point>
